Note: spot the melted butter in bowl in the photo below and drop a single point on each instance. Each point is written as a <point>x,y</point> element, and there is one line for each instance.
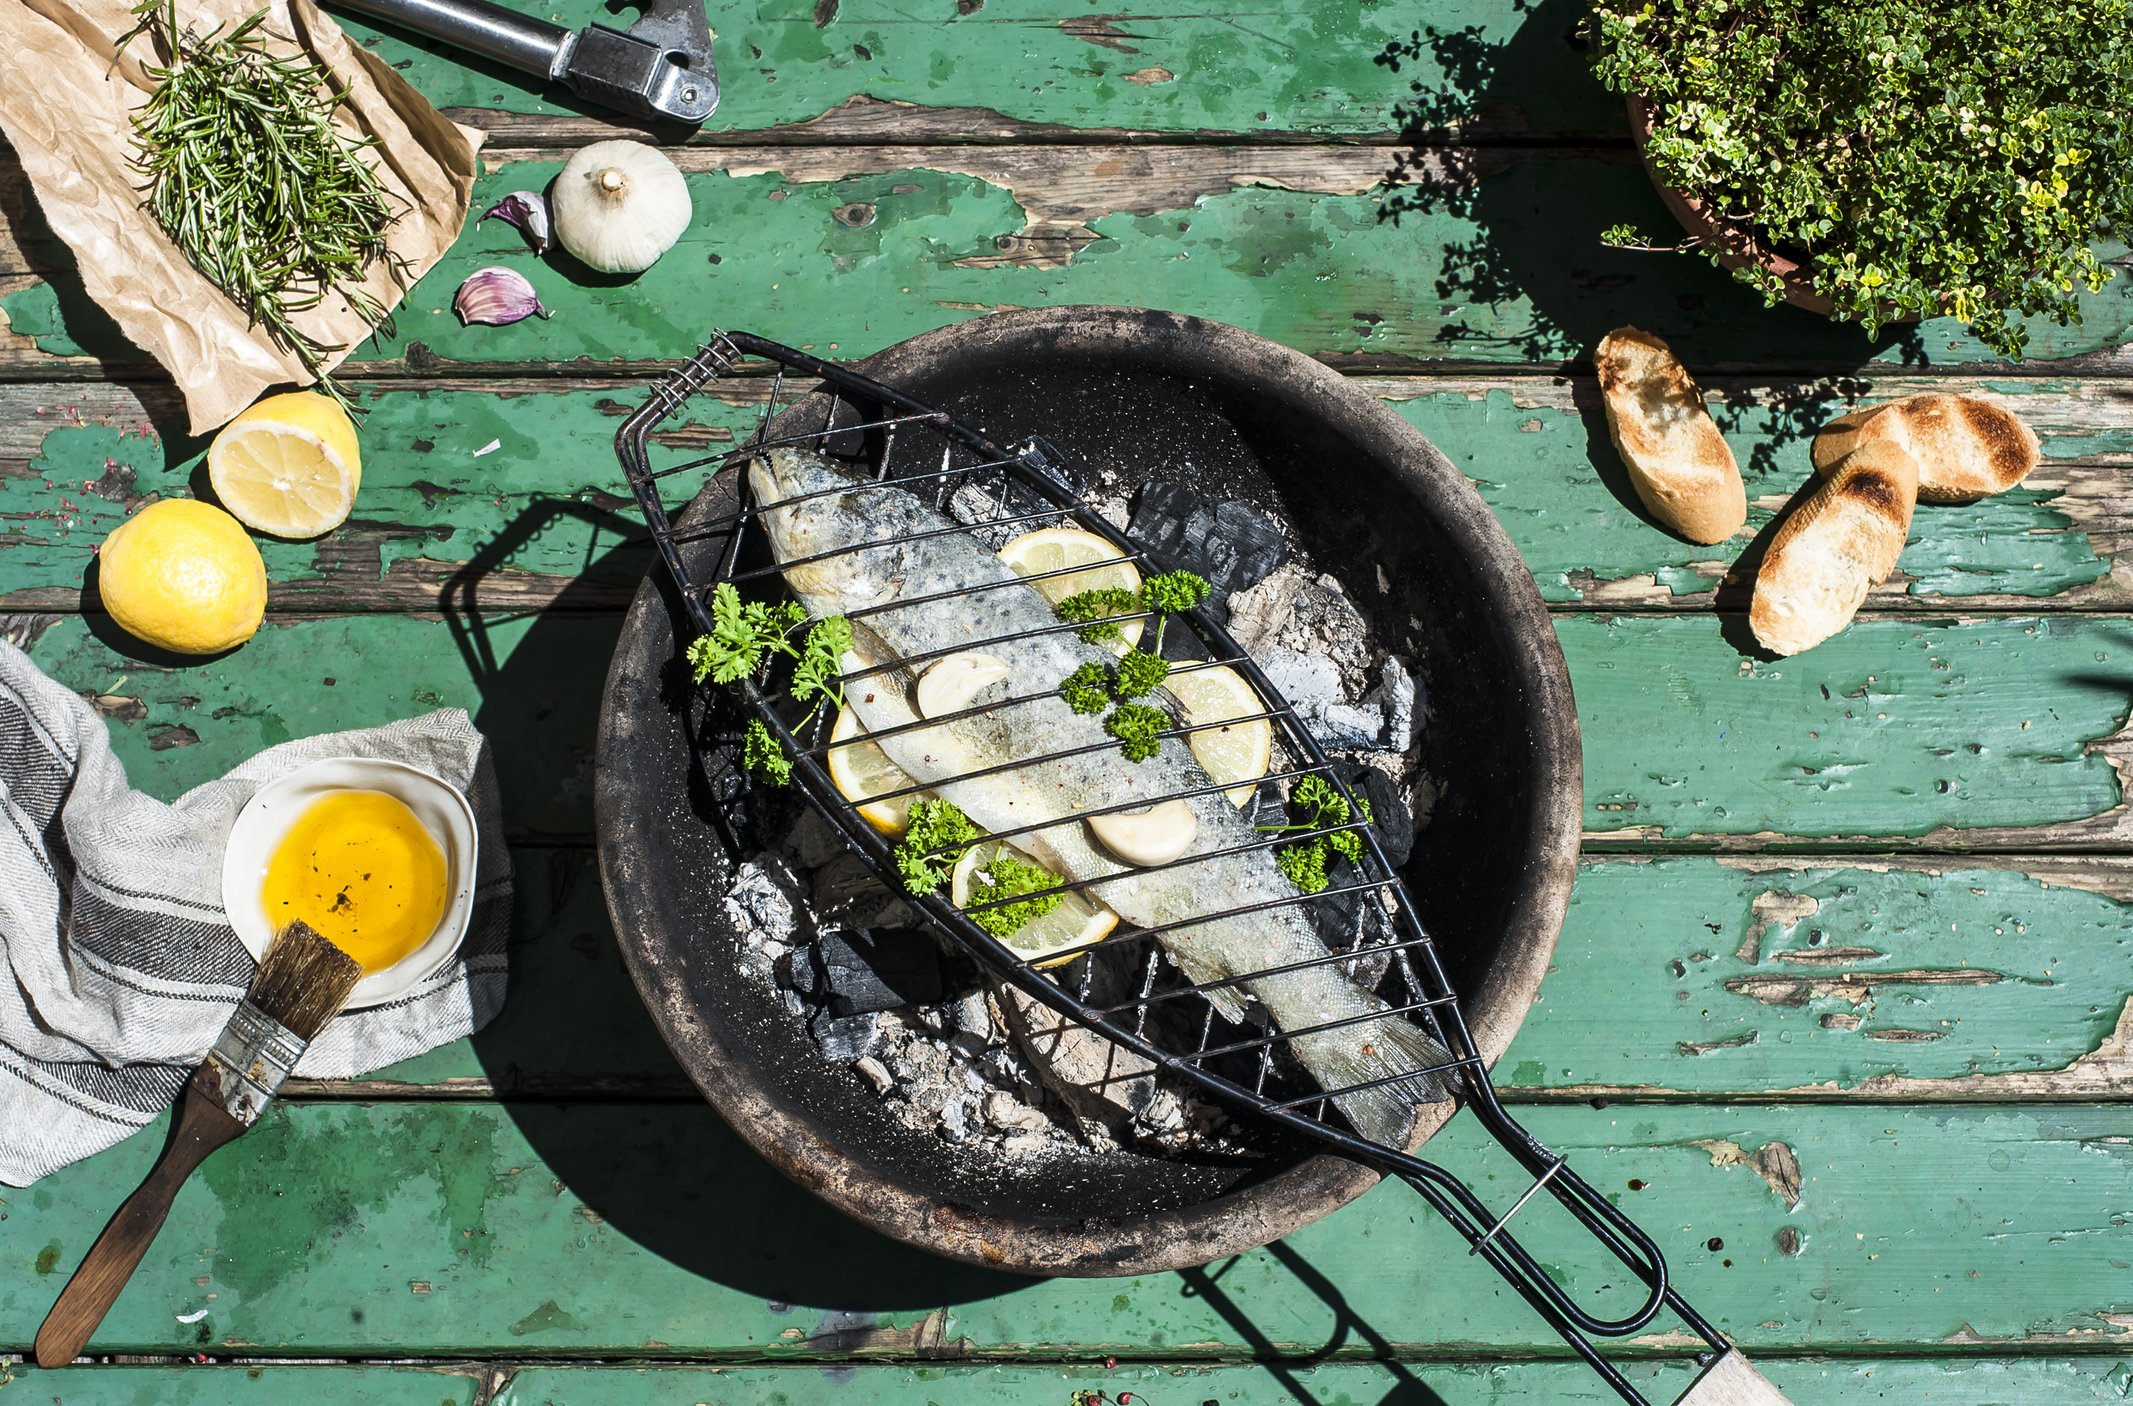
<point>363,871</point>
<point>378,856</point>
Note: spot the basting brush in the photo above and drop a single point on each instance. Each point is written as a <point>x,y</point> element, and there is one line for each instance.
<point>300,985</point>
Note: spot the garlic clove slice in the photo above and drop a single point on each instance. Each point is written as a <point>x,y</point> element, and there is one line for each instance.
<point>955,682</point>
<point>525,211</point>
<point>1154,835</point>
<point>496,296</point>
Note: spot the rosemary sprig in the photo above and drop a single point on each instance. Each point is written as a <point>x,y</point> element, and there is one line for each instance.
<point>247,173</point>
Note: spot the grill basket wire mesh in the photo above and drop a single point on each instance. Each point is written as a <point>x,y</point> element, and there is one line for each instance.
<point>1123,987</point>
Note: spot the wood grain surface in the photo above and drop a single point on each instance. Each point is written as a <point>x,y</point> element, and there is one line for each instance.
<point>1842,1010</point>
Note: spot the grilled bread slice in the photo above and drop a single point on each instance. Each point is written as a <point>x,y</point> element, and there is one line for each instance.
<point>1966,448</point>
<point>1682,467</point>
<point>1844,537</point>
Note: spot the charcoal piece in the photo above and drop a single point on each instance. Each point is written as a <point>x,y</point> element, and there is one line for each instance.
<point>877,969</point>
<point>847,1038</point>
<point>1390,817</point>
<point>1229,542</point>
<point>1339,916</point>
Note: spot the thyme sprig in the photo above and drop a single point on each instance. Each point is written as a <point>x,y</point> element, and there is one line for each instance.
<point>248,174</point>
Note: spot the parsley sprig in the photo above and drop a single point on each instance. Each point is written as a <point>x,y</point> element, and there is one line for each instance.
<point>1093,688</point>
<point>938,834</point>
<point>1002,877</point>
<point>746,634</point>
<point>1315,804</point>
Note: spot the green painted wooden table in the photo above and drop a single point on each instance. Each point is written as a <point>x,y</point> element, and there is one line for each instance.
<point>1868,906</point>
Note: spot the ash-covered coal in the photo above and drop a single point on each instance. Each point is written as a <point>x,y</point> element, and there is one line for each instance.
<point>1228,541</point>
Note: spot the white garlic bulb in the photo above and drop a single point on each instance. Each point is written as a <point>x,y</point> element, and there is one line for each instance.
<point>619,205</point>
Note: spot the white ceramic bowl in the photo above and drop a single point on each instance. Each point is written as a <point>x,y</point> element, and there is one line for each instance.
<point>274,807</point>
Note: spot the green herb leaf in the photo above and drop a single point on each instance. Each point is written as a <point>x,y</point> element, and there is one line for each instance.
<point>1087,689</point>
<point>1002,876</point>
<point>821,666</point>
<point>1139,727</point>
<point>1174,591</point>
<point>1139,673</point>
<point>762,753</point>
<point>1105,607</point>
<point>263,192</point>
<point>1305,865</point>
<point>935,825</point>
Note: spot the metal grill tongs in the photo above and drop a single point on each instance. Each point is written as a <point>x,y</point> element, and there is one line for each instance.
<point>1156,1012</point>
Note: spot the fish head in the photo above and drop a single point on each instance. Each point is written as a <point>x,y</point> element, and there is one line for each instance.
<point>841,527</point>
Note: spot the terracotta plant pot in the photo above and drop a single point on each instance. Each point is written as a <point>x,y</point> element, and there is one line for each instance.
<point>1736,248</point>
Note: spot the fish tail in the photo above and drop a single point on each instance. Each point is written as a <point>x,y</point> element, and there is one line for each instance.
<point>1394,1050</point>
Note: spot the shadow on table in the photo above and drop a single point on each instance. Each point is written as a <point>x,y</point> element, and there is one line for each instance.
<point>642,1151</point>
<point>1348,1330</point>
<point>1524,225</point>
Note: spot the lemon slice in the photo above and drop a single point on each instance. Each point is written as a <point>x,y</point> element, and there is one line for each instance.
<point>1055,549</point>
<point>289,466</point>
<point>861,770</point>
<point>1076,921</point>
<point>1239,752</point>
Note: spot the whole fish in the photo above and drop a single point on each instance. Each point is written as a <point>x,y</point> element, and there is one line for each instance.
<point>875,544</point>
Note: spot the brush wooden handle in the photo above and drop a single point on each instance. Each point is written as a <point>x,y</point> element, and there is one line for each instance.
<point>202,1127</point>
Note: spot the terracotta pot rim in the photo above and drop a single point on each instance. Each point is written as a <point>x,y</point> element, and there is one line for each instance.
<point>1737,248</point>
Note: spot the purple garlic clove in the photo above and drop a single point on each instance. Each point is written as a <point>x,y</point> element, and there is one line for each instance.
<point>497,296</point>
<point>527,212</point>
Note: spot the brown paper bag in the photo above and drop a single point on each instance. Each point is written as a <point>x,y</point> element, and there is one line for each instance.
<point>66,108</point>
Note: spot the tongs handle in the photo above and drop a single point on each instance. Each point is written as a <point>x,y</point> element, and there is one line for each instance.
<point>510,38</point>
<point>658,70</point>
<point>1730,1380</point>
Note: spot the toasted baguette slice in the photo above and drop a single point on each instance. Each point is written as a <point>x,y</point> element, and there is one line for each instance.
<point>1966,448</point>
<point>1682,466</point>
<point>1845,536</point>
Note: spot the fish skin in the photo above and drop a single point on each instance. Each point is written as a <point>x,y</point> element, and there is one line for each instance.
<point>863,521</point>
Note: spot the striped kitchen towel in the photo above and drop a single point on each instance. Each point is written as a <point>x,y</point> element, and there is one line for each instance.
<point>117,966</point>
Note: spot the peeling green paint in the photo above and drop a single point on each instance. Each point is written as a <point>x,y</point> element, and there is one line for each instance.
<point>1510,271</point>
<point>1281,68</point>
<point>1897,1207</point>
<point>1888,729</point>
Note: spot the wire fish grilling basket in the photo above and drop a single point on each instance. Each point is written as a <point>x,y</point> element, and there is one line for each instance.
<point>1127,987</point>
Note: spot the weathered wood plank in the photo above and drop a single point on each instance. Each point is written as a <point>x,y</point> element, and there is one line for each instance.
<point>1989,734</point>
<point>2001,733</point>
<point>1676,978</point>
<point>270,1385</point>
<point>1502,264</point>
<point>423,1229</point>
<point>963,72</point>
<point>541,509</point>
<point>1965,1381</point>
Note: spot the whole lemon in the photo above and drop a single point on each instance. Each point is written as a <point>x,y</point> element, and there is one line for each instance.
<point>183,576</point>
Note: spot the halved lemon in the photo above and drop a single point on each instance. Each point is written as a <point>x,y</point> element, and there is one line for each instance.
<point>1055,549</point>
<point>1076,921</point>
<point>860,770</point>
<point>289,466</point>
<point>1237,752</point>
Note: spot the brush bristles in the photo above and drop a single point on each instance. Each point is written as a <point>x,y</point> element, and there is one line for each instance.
<point>303,980</point>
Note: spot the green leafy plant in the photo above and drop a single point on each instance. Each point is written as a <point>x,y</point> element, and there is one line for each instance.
<point>248,174</point>
<point>1917,156</point>
<point>743,636</point>
<point>1139,672</point>
<point>1087,689</point>
<point>938,834</point>
<point>1101,610</point>
<point>1002,877</point>
<point>1139,729</point>
<point>1315,804</point>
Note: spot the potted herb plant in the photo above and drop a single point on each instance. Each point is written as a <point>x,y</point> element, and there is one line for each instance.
<point>1886,160</point>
